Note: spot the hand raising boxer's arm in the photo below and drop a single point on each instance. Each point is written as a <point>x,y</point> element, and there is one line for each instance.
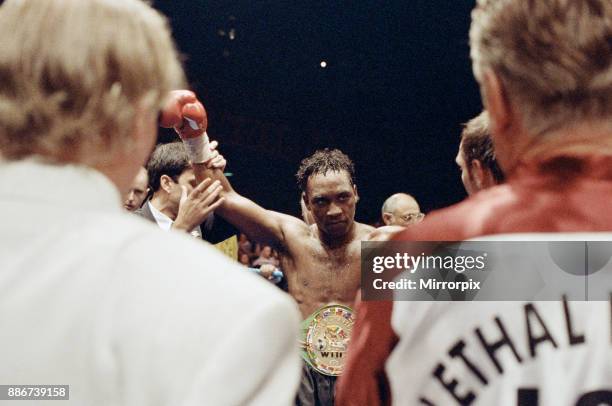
<point>197,205</point>
<point>187,116</point>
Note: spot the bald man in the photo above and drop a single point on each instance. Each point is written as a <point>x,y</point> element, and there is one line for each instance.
<point>138,192</point>
<point>401,209</point>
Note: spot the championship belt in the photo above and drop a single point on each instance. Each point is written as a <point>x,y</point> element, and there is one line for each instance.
<point>325,338</point>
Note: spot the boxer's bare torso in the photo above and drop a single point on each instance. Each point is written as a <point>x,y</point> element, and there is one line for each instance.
<point>318,274</point>
<point>321,262</point>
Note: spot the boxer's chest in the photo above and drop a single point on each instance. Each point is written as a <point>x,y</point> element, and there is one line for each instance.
<point>329,273</point>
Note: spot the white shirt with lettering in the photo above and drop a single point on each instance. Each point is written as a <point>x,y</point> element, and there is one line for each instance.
<point>541,353</point>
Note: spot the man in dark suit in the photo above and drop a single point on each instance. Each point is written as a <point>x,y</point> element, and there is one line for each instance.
<point>177,202</point>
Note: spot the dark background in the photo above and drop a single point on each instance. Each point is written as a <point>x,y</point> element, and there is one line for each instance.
<point>397,86</point>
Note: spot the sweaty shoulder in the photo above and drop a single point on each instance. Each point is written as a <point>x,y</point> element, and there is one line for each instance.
<point>294,227</point>
<point>384,233</point>
<point>364,230</point>
<point>295,233</point>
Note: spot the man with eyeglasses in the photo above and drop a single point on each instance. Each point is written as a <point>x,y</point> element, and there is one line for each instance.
<point>401,209</point>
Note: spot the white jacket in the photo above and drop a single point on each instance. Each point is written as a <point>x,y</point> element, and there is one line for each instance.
<point>126,314</point>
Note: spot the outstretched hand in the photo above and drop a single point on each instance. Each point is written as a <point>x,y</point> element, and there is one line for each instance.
<point>195,206</point>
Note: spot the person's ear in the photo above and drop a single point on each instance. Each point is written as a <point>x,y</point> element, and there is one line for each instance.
<point>509,136</point>
<point>356,193</point>
<point>166,183</point>
<point>497,103</point>
<point>145,130</point>
<point>481,175</point>
<point>387,218</point>
<point>477,172</point>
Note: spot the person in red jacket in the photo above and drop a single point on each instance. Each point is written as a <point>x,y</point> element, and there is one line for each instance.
<point>550,123</point>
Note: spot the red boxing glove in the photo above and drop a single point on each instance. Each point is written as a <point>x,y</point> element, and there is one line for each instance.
<point>185,113</point>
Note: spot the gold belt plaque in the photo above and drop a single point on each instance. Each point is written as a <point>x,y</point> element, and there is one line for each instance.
<point>327,337</point>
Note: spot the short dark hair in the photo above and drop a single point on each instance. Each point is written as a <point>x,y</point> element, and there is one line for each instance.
<point>476,143</point>
<point>323,161</point>
<point>167,159</point>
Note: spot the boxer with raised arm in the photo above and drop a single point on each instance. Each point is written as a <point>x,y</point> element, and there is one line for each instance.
<point>321,261</point>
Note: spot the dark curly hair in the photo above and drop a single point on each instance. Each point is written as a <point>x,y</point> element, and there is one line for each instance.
<point>323,161</point>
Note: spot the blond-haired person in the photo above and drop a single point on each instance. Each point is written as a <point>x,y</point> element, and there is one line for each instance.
<point>91,296</point>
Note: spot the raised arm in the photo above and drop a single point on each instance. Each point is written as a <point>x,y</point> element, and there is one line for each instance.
<point>188,117</point>
<point>265,226</point>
